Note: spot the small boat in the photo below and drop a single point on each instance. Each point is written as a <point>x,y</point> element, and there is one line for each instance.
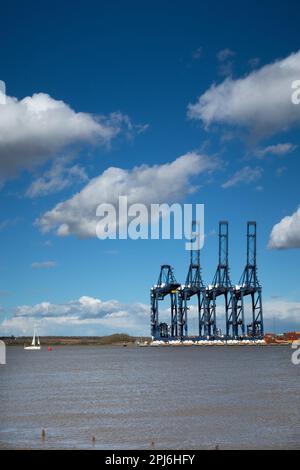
<point>35,344</point>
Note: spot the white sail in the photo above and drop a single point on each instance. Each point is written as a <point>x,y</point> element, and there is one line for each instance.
<point>33,339</point>
<point>35,345</point>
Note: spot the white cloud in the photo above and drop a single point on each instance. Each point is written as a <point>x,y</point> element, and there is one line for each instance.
<point>225,65</point>
<point>57,178</point>
<point>86,312</point>
<point>246,175</point>
<point>225,54</point>
<point>43,265</point>
<point>286,234</point>
<point>145,184</point>
<point>90,315</point>
<point>35,128</point>
<point>278,149</point>
<point>260,102</point>
<point>4,224</point>
<point>282,310</point>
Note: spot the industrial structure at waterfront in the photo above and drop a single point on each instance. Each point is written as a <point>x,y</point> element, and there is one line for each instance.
<point>221,291</point>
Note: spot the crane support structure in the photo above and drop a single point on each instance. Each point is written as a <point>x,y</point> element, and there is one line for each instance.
<point>232,310</point>
<point>193,286</point>
<point>221,286</point>
<point>166,286</point>
<point>248,286</point>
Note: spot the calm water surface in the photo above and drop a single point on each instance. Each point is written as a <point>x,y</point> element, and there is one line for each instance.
<point>143,398</point>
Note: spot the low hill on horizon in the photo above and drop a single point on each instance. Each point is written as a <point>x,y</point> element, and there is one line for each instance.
<point>114,339</point>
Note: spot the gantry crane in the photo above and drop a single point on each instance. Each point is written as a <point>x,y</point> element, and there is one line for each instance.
<point>193,286</point>
<point>166,286</point>
<point>248,285</point>
<point>221,286</point>
<point>234,295</point>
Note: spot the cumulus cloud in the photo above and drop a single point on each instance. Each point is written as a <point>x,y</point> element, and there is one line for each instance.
<point>278,149</point>
<point>260,102</point>
<point>90,315</point>
<point>145,184</point>
<point>284,313</point>
<point>43,265</point>
<point>283,310</point>
<point>35,128</point>
<point>245,175</point>
<point>85,312</point>
<point>58,177</point>
<point>280,315</point>
<point>286,234</point>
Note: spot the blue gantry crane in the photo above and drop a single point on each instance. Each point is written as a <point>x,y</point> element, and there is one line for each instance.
<point>233,296</point>
<point>221,286</point>
<point>248,286</point>
<point>193,286</point>
<point>166,286</point>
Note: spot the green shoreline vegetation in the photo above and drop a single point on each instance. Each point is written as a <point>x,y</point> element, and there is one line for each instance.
<point>116,339</point>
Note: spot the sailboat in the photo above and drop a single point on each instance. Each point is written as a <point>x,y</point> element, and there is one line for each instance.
<point>35,344</point>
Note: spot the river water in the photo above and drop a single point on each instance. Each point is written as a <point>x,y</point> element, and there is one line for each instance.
<point>150,398</point>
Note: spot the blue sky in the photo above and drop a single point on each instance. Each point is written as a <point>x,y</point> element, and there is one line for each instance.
<point>156,81</point>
